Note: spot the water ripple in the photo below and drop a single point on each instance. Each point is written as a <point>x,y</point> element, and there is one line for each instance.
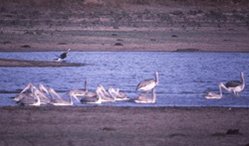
<point>184,77</point>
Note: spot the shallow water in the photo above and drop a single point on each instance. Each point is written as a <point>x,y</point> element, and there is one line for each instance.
<point>185,78</point>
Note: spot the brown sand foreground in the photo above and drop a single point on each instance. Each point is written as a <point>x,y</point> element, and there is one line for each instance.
<point>32,63</point>
<point>123,126</point>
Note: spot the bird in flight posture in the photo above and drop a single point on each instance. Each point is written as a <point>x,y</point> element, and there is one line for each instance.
<point>62,56</point>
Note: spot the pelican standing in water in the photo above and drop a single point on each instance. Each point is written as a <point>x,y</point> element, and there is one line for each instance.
<point>149,84</point>
<point>235,86</point>
<point>212,95</point>
<point>92,97</point>
<point>26,92</point>
<point>29,97</point>
<point>57,100</point>
<point>43,94</point>
<point>84,95</point>
<point>79,93</point>
<point>103,95</point>
<point>63,55</point>
<point>43,89</point>
<point>117,94</point>
<point>231,86</point>
<point>37,98</point>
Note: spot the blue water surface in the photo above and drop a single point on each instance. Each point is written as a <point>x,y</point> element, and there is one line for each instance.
<point>185,78</point>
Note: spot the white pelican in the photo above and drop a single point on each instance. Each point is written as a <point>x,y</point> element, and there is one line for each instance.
<point>149,84</point>
<point>117,95</point>
<point>30,97</point>
<point>63,55</point>
<point>79,93</point>
<point>43,94</point>
<point>37,98</point>
<point>27,100</point>
<point>145,99</point>
<point>57,100</point>
<point>91,98</point>
<point>27,96</point>
<point>103,95</point>
<point>212,95</point>
<point>28,87</point>
<point>43,89</point>
<point>27,91</point>
<point>235,86</point>
<point>84,95</point>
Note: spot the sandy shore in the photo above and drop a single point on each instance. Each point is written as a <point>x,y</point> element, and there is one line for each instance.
<point>117,25</point>
<point>94,126</point>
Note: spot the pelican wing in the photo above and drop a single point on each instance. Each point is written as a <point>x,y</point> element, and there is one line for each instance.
<point>90,94</point>
<point>89,99</point>
<point>43,89</point>
<point>63,55</point>
<point>144,83</point>
<point>117,95</point>
<point>44,99</point>
<point>77,93</point>
<point>233,84</point>
<point>55,97</point>
<point>27,91</point>
<point>27,98</point>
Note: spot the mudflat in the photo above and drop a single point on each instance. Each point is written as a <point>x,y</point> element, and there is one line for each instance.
<point>131,25</point>
<point>33,63</point>
<point>138,126</point>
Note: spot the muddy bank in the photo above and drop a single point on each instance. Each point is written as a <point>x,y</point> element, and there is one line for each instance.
<point>29,63</point>
<point>107,126</point>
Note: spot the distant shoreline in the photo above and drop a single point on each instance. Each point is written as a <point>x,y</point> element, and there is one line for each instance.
<point>186,50</point>
<point>32,63</point>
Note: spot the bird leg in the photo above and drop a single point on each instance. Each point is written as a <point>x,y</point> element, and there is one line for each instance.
<point>237,94</point>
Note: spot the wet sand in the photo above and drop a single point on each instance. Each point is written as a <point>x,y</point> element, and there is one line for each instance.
<point>94,126</point>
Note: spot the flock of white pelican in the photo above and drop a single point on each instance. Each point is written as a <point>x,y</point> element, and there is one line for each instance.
<point>41,95</point>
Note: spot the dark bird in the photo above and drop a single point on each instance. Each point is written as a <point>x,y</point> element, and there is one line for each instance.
<point>63,55</point>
